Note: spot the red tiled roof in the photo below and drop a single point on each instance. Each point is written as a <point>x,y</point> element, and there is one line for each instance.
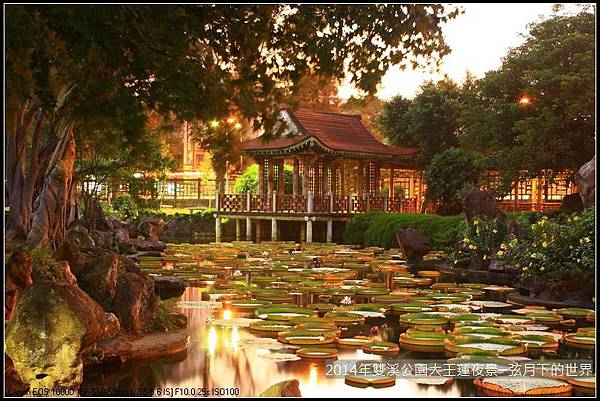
<point>336,131</point>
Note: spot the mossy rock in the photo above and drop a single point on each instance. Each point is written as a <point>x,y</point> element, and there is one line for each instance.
<point>52,325</point>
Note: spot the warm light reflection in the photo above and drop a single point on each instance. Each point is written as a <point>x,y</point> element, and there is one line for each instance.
<point>313,375</point>
<point>235,338</point>
<point>237,126</point>
<point>227,314</point>
<point>214,123</point>
<point>212,340</point>
<point>230,120</point>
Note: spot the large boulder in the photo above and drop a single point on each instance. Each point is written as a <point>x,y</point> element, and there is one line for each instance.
<point>571,203</point>
<point>288,388</point>
<point>480,203</point>
<point>135,302</point>
<point>585,179</point>
<point>121,235</point>
<point>51,327</point>
<point>79,236</point>
<point>17,279</point>
<point>414,245</point>
<point>151,228</point>
<point>99,278</point>
<point>148,245</point>
<point>103,239</point>
<point>168,286</point>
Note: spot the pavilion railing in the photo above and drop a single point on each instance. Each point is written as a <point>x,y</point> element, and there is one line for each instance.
<point>310,204</point>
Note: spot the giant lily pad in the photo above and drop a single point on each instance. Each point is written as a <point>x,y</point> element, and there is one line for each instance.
<point>423,341</point>
<point>380,348</point>
<point>519,386</point>
<point>306,337</point>
<point>470,345</point>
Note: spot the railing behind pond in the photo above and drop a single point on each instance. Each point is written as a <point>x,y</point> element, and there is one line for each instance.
<point>311,204</point>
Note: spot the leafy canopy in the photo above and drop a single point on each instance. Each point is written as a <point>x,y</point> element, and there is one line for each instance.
<point>202,61</point>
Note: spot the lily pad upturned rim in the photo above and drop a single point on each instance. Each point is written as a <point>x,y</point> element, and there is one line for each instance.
<point>373,347</point>
<point>423,318</point>
<point>345,317</point>
<point>424,338</point>
<point>273,326</point>
<point>317,353</point>
<point>284,337</point>
<point>354,342</point>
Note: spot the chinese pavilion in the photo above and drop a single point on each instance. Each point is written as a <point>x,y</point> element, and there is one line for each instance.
<point>338,168</point>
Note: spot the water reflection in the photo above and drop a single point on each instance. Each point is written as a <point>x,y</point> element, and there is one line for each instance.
<point>220,357</point>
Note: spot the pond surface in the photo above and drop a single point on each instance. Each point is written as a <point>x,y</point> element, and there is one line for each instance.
<point>220,359</point>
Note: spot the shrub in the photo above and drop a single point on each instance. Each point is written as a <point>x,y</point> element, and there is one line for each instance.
<point>449,175</point>
<point>378,229</point>
<point>556,248</point>
<point>125,207</point>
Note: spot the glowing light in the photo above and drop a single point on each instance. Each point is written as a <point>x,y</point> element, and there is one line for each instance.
<point>230,120</point>
<point>525,100</point>
<point>227,314</point>
<point>214,124</point>
<point>212,340</point>
<point>237,126</point>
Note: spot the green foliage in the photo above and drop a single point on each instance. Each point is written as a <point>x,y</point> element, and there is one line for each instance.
<point>449,176</point>
<point>555,68</point>
<point>162,322</point>
<point>248,181</point>
<point>125,207</point>
<point>378,229</point>
<point>43,265</point>
<point>555,248</point>
<point>221,58</point>
<point>429,121</point>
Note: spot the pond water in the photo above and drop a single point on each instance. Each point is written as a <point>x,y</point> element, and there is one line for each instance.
<point>220,359</point>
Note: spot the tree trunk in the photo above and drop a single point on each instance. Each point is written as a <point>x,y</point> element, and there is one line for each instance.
<point>50,208</point>
<point>20,183</point>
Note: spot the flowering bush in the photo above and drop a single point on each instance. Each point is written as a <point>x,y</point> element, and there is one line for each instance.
<point>483,238</point>
<point>556,249</point>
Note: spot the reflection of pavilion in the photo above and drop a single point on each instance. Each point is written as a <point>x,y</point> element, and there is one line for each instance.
<point>339,169</point>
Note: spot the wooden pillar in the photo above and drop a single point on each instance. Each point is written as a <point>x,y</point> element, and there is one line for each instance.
<point>248,229</point>
<point>309,232</point>
<point>305,176</point>
<point>377,186</point>
<point>296,177</point>
<point>342,167</point>
<point>329,231</point>
<point>360,178</point>
<point>534,190</point>
<point>270,178</point>
<point>274,233</point>
<point>217,229</point>
<point>261,176</point>
<point>238,230</point>
<point>392,178</point>
<point>281,178</point>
